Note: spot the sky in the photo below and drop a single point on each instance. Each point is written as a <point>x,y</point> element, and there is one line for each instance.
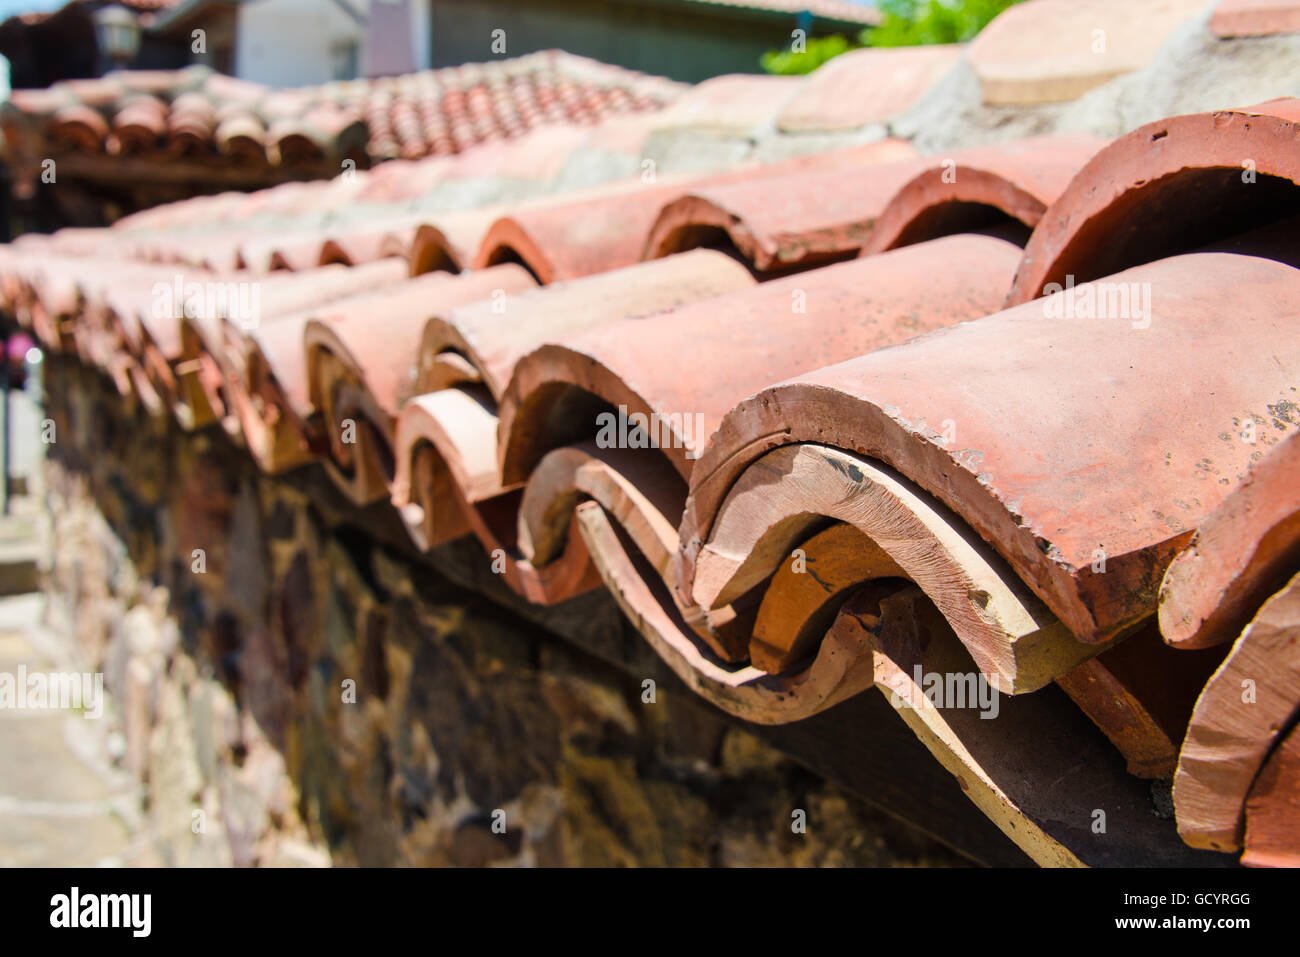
<point>9,7</point>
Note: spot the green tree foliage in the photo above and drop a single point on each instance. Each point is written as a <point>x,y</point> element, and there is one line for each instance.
<point>904,23</point>
<point>820,49</point>
<point>909,23</point>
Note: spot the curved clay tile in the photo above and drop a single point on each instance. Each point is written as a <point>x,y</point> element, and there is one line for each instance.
<point>978,187</point>
<point>291,144</point>
<point>53,301</point>
<point>90,242</point>
<point>1127,483</point>
<point>1050,51</point>
<point>494,335</point>
<point>445,486</point>
<point>777,222</point>
<point>1244,711</point>
<point>606,227</point>
<point>99,284</point>
<point>207,349</point>
<point>871,85</point>
<point>776,503</point>
<point>641,489</point>
<point>1255,18</point>
<point>1012,768</point>
<point>1168,187</point>
<point>229,91</point>
<point>124,303</point>
<point>447,241</point>
<point>738,343</point>
<point>293,251</point>
<point>323,132</point>
<point>1244,552</point>
<point>737,104</point>
<point>240,134</point>
<point>360,369</point>
<point>537,156</point>
<point>190,124</point>
<point>445,448</point>
<point>267,391</point>
<point>78,127</point>
<point>402,180</point>
<point>377,239</point>
<point>37,103</point>
<point>140,124</point>
<point>567,240</point>
<point>219,253</point>
<point>1271,809</point>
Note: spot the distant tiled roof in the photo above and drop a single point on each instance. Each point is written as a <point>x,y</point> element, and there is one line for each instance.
<point>1255,18</point>
<point>195,112</point>
<point>445,111</point>
<point>1024,410</point>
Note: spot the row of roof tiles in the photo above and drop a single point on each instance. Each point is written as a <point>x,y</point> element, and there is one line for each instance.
<point>195,112</point>
<point>857,337</point>
<point>1040,51</point>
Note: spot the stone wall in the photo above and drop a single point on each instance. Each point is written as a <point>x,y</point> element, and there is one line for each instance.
<point>293,686</point>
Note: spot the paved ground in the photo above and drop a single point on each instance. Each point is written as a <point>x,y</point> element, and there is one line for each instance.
<point>61,800</point>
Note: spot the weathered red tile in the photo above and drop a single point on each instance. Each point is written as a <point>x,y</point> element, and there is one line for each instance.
<point>208,347</point>
<point>1255,18</point>
<point>782,221</point>
<point>980,187</point>
<point>866,86</point>
<point>1231,734</point>
<point>495,334</point>
<point>1273,809</point>
<point>732,104</point>
<point>1085,493</point>
<point>1246,549</point>
<point>686,368</point>
<point>1167,187</point>
<point>360,367</point>
<point>1050,51</point>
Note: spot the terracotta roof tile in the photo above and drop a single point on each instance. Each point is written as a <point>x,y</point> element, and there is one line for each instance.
<point>1243,552</point>
<point>1227,745</point>
<point>796,219</point>
<point>1237,163</point>
<point>971,188</point>
<point>858,305</point>
<point>1049,524</point>
<point>1048,51</point>
<point>1271,808</point>
<point>361,370</point>
<point>610,229</point>
<point>866,86</point>
<point>1255,18</point>
<point>732,104</point>
<point>494,335</point>
<point>951,468</point>
<point>437,112</point>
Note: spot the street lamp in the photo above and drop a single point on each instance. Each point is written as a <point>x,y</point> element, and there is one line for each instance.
<point>118,34</point>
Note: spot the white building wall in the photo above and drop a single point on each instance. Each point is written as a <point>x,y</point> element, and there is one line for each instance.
<point>422,33</point>
<point>293,42</point>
